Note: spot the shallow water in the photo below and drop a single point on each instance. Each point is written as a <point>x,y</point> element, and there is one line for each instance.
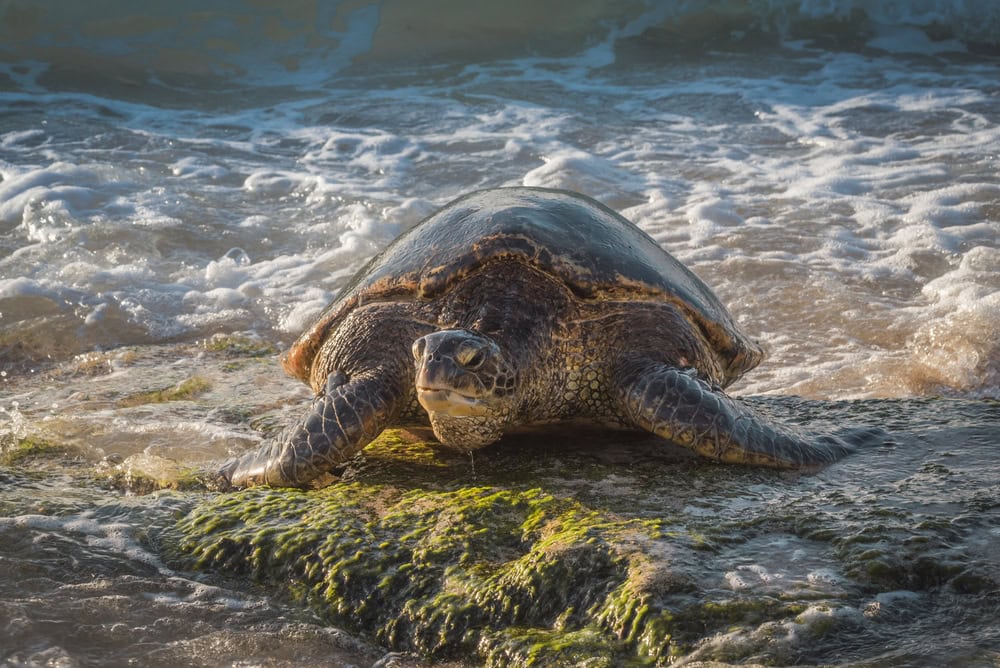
<point>890,555</point>
<point>165,178</point>
<point>885,559</point>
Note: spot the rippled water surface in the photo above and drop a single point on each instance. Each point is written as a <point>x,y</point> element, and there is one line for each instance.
<point>181,192</point>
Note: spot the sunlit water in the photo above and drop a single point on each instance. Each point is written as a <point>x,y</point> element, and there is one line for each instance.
<point>832,175</point>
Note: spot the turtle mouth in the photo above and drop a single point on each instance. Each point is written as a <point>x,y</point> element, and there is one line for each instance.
<point>450,401</point>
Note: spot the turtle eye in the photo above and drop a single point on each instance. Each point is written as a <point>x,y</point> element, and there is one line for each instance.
<point>472,358</point>
<point>419,346</point>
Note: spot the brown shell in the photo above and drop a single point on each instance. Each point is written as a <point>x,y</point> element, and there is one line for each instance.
<point>597,253</point>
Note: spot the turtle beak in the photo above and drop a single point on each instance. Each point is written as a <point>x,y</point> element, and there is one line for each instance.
<point>447,372</point>
<point>450,402</point>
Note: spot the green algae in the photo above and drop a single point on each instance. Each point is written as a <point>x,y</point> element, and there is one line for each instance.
<point>511,575</point>
<point>558,550</point>
<point>536,553</point>
<point>21,451</point>
<point>239,346</point>
<point>517,577</point>
<point>427,551</point>
<point>394,446</point>
<point>185,390</point>
<point>239,351</point>
<point>132,480</point>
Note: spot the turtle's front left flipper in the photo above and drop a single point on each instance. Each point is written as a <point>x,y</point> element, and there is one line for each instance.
<point>341,420</point>
<point>679,406</point>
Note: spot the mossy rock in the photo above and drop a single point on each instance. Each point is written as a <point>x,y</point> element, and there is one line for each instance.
<point>586,549</point>
<point>240,351</point>
<point>234,345</point>
<point>506,568</point>
<point>143,474</point>
<point>23,451</point>
<point>480,570</point>
<point>184,391</point>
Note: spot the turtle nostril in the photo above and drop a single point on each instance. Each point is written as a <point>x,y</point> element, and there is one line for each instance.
<point>419,346</point>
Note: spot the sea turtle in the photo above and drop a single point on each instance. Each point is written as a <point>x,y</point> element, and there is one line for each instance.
<point>516,306</point>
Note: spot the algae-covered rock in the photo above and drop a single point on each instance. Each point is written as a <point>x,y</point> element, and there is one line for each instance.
<point>507,574</point>
<point>577,549</point>
<point>429,557</point>
<point>563,548</point>
<point>18,451</point>
<point>185,390</point>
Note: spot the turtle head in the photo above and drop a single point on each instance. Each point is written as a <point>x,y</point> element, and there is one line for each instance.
<point>466,385</point>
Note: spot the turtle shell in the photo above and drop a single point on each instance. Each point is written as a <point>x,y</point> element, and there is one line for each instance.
<point>597,253</point>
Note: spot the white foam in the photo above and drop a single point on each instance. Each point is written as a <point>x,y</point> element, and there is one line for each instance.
<point>14,139</point>
<point>843,205</point>
<point>278,183</point>
<point>194,168</point>
<point>572,169</point>
<point>775,638</point>
<point>25,287</point>
<point>906,39</point>
<point>47,192</point>
<point>959,353</point>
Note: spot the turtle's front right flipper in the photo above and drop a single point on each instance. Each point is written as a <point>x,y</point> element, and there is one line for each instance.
<point>341,420</point>
<point>677,405</point>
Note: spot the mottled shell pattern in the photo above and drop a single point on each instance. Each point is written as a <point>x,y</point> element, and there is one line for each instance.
<point>595,252</point>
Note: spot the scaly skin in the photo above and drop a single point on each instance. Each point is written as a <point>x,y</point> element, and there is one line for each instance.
<point>511,346</point>
<point>340,421</point>
<point>677,405</point>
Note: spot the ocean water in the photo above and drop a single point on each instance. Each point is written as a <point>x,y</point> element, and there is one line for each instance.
<point>173,173</point>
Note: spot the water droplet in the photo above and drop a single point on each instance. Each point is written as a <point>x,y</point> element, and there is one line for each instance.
<point>238,256</point>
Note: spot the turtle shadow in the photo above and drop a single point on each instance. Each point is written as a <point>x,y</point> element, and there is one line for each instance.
<point>415,457</point>
<point>625,472</point>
